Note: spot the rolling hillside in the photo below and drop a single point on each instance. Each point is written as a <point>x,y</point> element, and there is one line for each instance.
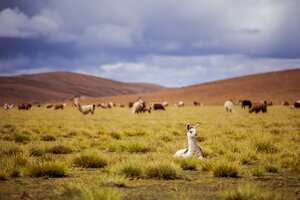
<point>273,86</point>
<point>61,86</point>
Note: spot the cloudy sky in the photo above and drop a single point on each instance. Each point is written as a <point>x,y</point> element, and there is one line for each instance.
<point>169,42</point>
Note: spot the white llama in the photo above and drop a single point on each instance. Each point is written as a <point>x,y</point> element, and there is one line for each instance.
<point>194,149</point>
<point>228,105</point>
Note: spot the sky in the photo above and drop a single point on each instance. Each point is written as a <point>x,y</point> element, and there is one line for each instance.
<point>173,43</point>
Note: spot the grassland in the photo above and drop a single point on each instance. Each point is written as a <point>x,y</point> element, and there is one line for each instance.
<point>114,154</point>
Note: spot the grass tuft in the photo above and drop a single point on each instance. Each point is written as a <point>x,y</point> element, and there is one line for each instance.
<point>14,150</point>
<point>90,160</point>
<point>162,170</point>
<point>36,151</point>
<point>115,135</point>
<point>187,163</point>
<point>131,169</point>
<point>48,138</point>
<point>263,146</point>
<point>47,169</point>
<point>225,169</point>
<point>206,165</point>
<point>21,138</point>
<point>271,167</point>
<point>258,171</point>
<point>136,147</point>
<point>59,149</point>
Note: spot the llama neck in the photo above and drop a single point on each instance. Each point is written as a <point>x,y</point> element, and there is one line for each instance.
<point>79,107</point>
<point>192,144</point>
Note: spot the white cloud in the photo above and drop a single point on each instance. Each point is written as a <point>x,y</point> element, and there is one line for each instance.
<point>175,71</point>
<point>14,23</point>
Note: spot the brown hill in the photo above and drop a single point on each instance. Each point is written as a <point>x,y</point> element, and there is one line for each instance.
<point>273,86</point>
<point>61,86</point>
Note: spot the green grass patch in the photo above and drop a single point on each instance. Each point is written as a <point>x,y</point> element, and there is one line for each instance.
<point>251,192</point>
<point>87,192</point>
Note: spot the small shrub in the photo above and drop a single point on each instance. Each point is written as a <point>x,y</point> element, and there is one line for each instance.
<point>48,138</point>
<point>225,169</point>
<point>162,170</point>
<point>258,171</point>
<point>59,149</point>
<point>21,138</point>
<point>131,169</point>
<point>90,160</point>
<point>187,163</point>
<point>47,169</point>
<point>250,192</point>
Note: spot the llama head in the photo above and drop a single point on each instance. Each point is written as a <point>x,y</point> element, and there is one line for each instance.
<point>191,131</point>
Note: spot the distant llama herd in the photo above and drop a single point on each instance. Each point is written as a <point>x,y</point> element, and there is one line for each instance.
<point>140,106</point>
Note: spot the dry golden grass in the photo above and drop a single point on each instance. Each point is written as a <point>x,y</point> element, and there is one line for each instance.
<point>135,152</point>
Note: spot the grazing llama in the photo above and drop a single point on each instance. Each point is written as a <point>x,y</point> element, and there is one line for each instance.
<point>228,105</point>
<point>194,149</point>
<point>7,106</point>
<point>138,106</point>
<point>85,109</point>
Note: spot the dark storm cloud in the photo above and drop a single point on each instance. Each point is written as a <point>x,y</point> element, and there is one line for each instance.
<point>206,40</point>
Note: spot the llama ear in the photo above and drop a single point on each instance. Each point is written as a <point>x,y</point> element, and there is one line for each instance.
<point>188,127</point>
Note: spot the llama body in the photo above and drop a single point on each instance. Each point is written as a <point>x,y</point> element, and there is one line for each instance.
<point>85,109</point>
<point>228,105</point>
<point>194,149</point>
<point>138,107</point>
<point>7,106</point>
